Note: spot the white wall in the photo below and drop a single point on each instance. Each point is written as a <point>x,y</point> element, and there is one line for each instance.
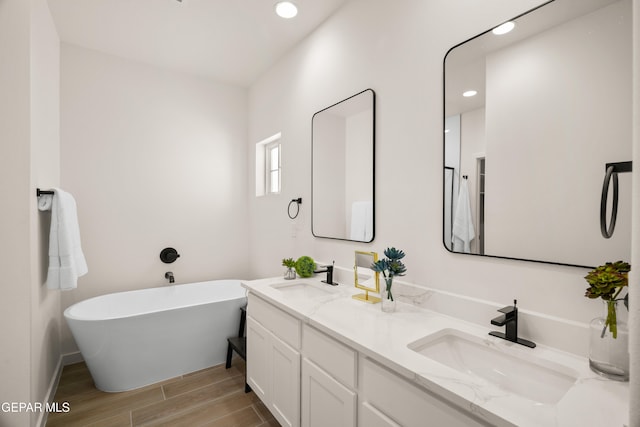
<point>15,305</point>
<point>46,316</point>
<point>398,52</point>
<point>29,132</point>
<point>154,159</point>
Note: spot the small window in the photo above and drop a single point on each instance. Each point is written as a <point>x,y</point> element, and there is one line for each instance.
<point>269,166</point>
<point>273,167</point>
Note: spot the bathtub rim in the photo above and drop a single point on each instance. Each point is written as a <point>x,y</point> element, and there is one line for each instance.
<point>67,315</point>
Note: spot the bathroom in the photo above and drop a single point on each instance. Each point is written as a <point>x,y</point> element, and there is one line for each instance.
<point>133,143</point>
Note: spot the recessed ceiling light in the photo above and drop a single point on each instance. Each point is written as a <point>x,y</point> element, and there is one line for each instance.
<point>286,9</point>
<point>504,28</point>
<point>470,93</point>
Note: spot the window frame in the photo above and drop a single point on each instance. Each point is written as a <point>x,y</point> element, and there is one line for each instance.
<point>270,169</point>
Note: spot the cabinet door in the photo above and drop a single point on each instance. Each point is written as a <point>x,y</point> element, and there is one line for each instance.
<point>258,350</point>
<point>285,383</point>
<point>325,402</point>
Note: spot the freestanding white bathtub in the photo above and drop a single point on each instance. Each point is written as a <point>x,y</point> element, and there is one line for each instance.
<point>136,338</point>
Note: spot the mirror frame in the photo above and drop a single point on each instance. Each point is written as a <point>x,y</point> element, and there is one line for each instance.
<point>376,278</point>
<point>373,174</point>
<point>444,167</point>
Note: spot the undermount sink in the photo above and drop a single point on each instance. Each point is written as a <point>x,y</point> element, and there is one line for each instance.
<point>539,380</point>
<point>302,289</point>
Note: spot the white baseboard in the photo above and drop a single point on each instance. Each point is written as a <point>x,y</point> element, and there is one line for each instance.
<point>65,359</point>
<point>51,392</point>
<point>71,358</point>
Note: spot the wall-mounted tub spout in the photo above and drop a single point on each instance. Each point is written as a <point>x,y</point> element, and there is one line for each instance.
<point>169,275</point>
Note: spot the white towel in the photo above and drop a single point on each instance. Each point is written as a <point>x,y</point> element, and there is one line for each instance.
<point>362,221</point>
<point>66,260</point>
<point>463,231</point>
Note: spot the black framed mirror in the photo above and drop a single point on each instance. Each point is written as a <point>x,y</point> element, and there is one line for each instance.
<point>342,169</point>
<point>525,158</point>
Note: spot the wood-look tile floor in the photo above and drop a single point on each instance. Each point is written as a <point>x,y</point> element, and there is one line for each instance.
<point>212,397</point>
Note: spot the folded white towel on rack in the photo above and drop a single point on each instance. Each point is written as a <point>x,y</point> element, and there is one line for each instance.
<point>66,260</point>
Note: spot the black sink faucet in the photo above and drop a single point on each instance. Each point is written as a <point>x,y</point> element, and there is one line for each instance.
<point>510,320</point>
<point>329,270</point>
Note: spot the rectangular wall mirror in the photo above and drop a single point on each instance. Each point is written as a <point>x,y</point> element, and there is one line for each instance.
<point>552,108</point>
<point>342,169</point>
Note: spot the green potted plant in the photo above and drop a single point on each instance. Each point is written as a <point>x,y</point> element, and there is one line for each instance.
<point>607,282</point>
<point>305,266</point>
<point>289,273</point>
<point>608,351</point>
<point>390,267</point>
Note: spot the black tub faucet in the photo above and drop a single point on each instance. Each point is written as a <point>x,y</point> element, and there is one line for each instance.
<point>169,275</point>
<point>329,270</point>
<point>510,320</point>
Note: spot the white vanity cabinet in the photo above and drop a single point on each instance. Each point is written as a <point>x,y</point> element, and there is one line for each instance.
<point>388,400</point>
<point>273,359</point>
<point>328,381</point>
<point>307,378</point>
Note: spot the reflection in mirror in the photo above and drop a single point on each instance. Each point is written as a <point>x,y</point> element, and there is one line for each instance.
<point>365,278</point>
<point>553,107</point>
<point>342,177</point>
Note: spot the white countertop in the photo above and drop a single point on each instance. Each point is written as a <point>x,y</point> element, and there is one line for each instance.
<point>383,337</point>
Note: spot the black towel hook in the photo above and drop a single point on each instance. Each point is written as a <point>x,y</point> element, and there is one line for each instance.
<point>612,170</point>
<point>40,192</point>
<point>298,202</point>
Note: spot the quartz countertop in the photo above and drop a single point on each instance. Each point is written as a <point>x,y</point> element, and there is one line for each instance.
<point>383,337</point>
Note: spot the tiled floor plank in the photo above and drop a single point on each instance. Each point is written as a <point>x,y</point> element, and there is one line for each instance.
<point>246,417</point>
<point>185,401</point>
<point>213,397</point>
<point>201,379</point>
<point>207,412</point>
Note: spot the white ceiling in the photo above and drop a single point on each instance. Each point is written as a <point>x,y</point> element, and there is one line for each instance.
<point>232,41</point>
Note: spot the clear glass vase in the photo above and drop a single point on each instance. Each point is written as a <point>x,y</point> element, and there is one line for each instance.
<point>289,273</point>
<point>609,344</point>
<point>387,299</point>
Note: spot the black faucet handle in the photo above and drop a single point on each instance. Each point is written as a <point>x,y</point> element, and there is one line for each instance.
<point>510,309</point>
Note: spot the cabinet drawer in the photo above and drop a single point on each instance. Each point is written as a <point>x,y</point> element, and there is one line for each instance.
<point>395,400</point>
<point>283,325</point>
<point>371,417</point>
<point>335,358</point>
